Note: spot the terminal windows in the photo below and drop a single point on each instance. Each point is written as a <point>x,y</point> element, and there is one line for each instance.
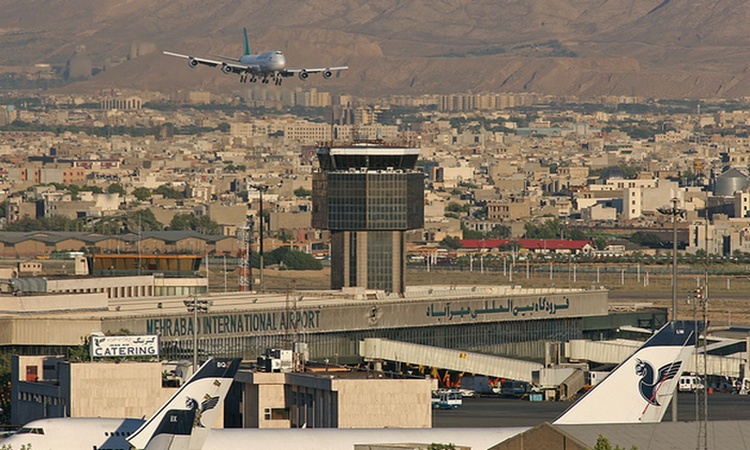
<point>276,414</point>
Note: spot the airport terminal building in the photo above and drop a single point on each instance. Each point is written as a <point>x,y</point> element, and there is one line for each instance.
<point>504,320</point>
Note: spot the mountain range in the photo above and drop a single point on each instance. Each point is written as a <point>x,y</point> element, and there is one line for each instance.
<point>585,48</point>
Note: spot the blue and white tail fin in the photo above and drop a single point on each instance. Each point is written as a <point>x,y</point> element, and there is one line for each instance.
<point>174,431</point>
<point>183,423</point>
<point>247,43</point>
<point>640,388</point>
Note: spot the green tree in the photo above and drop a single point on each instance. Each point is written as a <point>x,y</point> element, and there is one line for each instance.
<point>550,229</point>
<point>142,193</point>
<point>182,222</point>
<point>51,223</point>
<point>438,446</point>
<point>5,377</point>
<point>602,443</point>
<point>140,220</point>
<point>188,221</point>
<point>116,188</point>
<point>169,192</point>
<point>646,239</point>
<point>576,234</point>
<point>302,192</point>
<point>287,259</point>
<point>453,242</point>
<point>500,231</point>
<point>458,208</point>
<point>285,236</point>
<point>208,226</point>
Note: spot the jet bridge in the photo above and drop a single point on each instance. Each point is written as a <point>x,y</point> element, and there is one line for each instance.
<point>616,351</point>
<point>456,360</point>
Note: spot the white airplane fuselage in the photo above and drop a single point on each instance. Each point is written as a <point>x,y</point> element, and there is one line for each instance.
<point>74,433</point>
<point>267,62</point>
<point>109,434</point>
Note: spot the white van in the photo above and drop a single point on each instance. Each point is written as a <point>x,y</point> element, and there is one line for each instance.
<point>690,383</point>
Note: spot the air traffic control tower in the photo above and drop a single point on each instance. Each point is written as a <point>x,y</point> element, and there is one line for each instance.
<point>368,195</point>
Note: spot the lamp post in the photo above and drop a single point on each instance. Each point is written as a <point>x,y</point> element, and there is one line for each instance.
<point>674,212</point>
<point>261,189</point>
<point>195,306</point>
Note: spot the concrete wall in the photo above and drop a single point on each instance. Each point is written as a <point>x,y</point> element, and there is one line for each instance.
<point>265,390</point>
<point>30,330</point>
<point>371,403</point>
<point>101,389</point>
<point>108,389</point>
<point>336,400</point>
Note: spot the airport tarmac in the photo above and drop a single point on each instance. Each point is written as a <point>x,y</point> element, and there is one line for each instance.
<point>502,412</point>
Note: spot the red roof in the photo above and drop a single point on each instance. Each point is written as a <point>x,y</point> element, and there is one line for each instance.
<point>483,243</point>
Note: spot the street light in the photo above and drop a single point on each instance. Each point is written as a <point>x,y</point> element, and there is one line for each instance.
<point>673,211</point>
<point>195,306</point>
<point>261,188</point>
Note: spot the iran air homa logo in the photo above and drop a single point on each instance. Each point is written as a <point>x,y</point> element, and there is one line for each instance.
<point>208,403</point>
<point>650,382</point>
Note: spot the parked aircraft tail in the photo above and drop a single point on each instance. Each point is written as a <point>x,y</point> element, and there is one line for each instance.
<point>183,423</point>
<point>174,431</point>
<point>641,387</point>
<point>247,43</point>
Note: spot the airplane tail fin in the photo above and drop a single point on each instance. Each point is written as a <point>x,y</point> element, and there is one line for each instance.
<point>640,388</point>
<point>184,421</point>
<point>247,43</point>
<point>174,431</point>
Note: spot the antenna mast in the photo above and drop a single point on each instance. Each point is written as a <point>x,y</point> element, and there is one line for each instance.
<point>244,235</point>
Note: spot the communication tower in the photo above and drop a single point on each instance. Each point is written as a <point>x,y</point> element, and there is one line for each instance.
<point>245,235</point>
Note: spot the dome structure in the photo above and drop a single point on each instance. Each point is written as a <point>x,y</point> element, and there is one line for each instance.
<point>729,182</point>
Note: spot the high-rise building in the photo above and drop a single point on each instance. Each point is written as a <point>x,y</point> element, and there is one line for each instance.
<point>368,195</point>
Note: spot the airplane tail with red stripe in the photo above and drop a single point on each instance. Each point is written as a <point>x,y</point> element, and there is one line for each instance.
<point>640,388</point>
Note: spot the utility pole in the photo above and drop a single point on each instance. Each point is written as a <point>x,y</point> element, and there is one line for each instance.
<point>261,224</point>
<point>195,306</point>
<point>674,212</point>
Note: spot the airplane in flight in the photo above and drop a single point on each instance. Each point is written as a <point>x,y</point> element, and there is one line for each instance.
<point>641,387</point>
<point>266,67</point>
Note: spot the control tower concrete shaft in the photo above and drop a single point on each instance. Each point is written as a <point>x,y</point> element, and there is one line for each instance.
<point>368,195</point>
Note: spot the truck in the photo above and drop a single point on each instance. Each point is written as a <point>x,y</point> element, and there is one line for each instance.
<point>480,384</point>
<point>690,383</point>
<point>515,389</point>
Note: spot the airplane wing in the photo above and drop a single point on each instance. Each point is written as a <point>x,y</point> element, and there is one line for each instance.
<point>226,67</point>
<point>194,61</point>
<point>304,72</point>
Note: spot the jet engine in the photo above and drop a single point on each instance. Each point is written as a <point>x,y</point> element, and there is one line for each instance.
<point>327,73</point>
<point>226,68</point>
<point>303,75</point>
<point>192,62</point>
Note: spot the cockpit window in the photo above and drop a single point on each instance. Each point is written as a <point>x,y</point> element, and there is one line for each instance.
<point>26,430</point>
